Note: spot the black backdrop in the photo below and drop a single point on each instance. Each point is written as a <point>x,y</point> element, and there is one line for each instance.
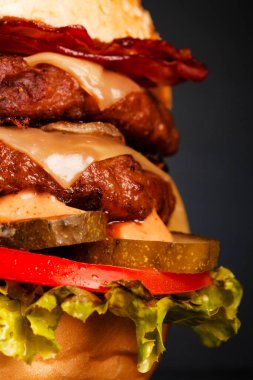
<point>214,165</point>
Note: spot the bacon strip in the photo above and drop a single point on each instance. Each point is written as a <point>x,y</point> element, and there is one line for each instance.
<point>148,62</point>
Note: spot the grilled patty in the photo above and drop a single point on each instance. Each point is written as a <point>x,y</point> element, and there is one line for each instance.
<point>118,186</point>
<point>46,93</point>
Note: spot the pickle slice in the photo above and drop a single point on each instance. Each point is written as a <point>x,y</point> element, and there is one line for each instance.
<point>187,253</point>
<point>36,234</point>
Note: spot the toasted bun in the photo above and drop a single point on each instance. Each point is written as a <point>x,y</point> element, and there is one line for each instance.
<point>103,348</point>
<point>178,220</point>
<point>104,19</point>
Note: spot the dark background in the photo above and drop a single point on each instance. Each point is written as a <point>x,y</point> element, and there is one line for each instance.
<point>213,168</point>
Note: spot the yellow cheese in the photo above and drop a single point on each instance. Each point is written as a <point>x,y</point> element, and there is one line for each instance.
<point>105,86</point>
<point>66,155</point>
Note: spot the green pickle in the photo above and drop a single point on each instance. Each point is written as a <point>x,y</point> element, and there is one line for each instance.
<point>187,253</point>
<point>36,234</point>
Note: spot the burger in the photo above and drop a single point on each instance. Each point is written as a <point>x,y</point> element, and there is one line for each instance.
<point>96,256</point>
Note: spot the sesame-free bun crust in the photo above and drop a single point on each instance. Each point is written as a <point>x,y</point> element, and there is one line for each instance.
<point>103,348</point>
<point>104,19</point>
<point>178,220</point>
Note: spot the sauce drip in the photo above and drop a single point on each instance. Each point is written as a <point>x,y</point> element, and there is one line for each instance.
<point>29,204</point>
<point>152,228</point>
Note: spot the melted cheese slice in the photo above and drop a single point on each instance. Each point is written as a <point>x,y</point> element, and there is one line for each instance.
<point>105,86</point>
<point>31,205</point>
<point>66,155</point>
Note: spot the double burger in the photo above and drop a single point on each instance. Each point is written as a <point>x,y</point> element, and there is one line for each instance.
<point>96,256</point>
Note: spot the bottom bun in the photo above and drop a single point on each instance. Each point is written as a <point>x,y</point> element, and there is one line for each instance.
<point>103,348</point>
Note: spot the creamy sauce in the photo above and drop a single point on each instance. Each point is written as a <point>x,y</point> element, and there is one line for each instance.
<point>152,228</point>
<point>66,155</point>
<point>31,205</point>
<point>105,86</point>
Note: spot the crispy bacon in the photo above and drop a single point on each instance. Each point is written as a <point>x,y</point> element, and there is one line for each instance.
<point>148,62</point>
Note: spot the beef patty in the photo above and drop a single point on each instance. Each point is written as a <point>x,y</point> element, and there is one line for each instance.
<point>118,186</point>
<point>47,93</point>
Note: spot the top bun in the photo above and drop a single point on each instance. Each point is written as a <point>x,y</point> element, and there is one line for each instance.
<point>104,19</point>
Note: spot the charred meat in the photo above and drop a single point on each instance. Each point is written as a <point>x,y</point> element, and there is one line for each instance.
<point>47,93</point>
<point>117,186</point>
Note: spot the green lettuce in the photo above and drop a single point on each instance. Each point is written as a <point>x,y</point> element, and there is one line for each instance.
<point>210,312</point>
<point>29,315</point>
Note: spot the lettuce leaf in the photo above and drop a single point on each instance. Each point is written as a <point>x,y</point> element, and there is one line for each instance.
<point>131,301</point>
<point>29,315</point>
<point>210,312</point>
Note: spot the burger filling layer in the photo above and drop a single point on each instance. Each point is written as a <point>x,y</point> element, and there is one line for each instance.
<point>83,91</point>
<point>118,186</point>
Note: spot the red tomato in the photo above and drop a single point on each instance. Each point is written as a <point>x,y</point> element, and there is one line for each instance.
<point>22,266</point>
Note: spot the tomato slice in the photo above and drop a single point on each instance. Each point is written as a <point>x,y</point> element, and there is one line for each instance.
<point>22,266</point>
